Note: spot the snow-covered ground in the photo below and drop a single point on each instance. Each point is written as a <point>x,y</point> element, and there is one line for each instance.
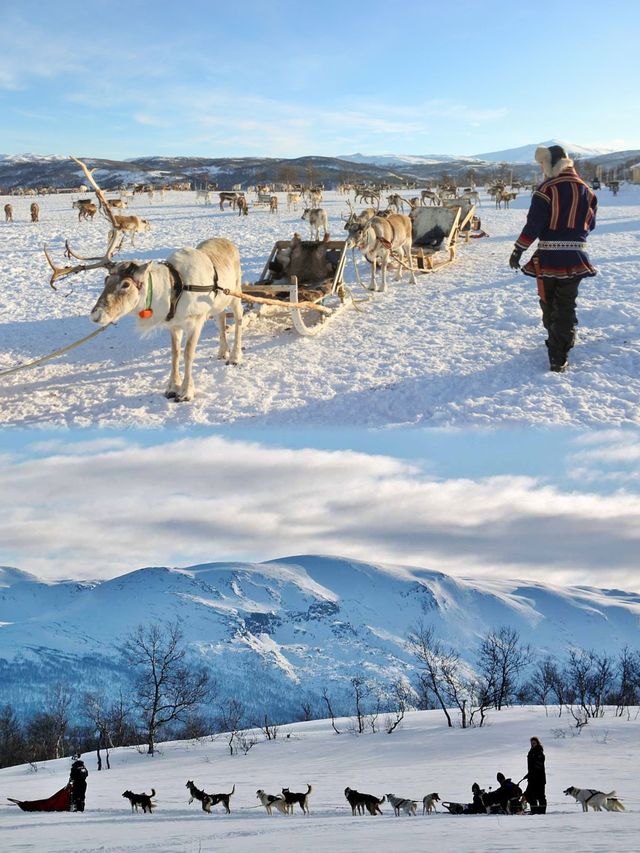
<point>421,757</point>
<point>462,347</point>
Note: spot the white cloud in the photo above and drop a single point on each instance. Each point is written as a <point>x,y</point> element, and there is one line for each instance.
<point>114,509</point>
<point>608,456</point>
<point>149,121</point>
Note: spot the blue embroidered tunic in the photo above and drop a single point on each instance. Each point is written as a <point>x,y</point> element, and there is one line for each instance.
<point>561,216</point>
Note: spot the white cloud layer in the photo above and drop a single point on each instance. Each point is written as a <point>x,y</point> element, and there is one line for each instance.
<point>100,510</point>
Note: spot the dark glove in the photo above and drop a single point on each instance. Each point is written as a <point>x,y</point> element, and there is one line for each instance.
<point>514,260</point>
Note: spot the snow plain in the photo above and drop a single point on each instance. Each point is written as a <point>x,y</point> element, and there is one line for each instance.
<point>421,757</point>
<point>463,347</point>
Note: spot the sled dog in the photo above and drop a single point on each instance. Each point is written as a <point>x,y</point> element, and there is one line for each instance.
<point>269,801</point>
<point>597,800</point>
<point>197,794</point>
<point>143,800</point>
<point>359,802</point>
<point>291,798</point>
<point>401,804</point>
<point>429,803</point>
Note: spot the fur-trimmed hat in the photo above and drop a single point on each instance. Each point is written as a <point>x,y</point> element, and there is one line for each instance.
<point>552,159</point>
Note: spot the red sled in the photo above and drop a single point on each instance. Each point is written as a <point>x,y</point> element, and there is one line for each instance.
<point>58,802</point>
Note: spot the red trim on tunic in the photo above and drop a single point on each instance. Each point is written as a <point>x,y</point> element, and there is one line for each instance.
<point>555,208</point>
<point>524,242</point>
<point>582,270</point>
<point>571,221</point>
<point>587,221</point>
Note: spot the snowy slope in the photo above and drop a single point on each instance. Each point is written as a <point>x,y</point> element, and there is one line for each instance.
<point>295,624</point>
<point>421,757</point>
<point>462,347</point>
<point>399,159</point>
<point>524,154</point>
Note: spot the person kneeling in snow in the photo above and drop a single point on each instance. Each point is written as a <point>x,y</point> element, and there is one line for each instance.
<point>506,796</point>
<point>561,216</point>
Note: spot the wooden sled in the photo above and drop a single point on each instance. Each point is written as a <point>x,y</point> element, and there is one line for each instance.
<point>263,199</point>
<point>330,292</point>
<point>445,223</point>
<point>58,802</point>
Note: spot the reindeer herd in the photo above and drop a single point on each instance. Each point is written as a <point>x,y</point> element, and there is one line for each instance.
<point>195,284</point>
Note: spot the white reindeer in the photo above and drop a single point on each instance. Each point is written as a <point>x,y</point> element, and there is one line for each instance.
<point>151,290</point>
<point>317,218</point>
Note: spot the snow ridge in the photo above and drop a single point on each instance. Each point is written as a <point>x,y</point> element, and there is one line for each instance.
<point>289,625</point>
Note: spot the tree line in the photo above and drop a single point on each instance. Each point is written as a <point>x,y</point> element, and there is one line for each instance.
<point>172,698</point>
<point>505,671</point>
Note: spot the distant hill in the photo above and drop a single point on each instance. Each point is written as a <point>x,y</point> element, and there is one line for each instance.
<point>273,632</point>
<point>401,170</point>
<point>525,153</point>
<point>400,159</point>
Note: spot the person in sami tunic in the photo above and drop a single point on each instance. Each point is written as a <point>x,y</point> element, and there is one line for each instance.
<point>561,216</point>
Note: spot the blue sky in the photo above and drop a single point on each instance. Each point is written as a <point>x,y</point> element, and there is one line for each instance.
<point>123,79</point>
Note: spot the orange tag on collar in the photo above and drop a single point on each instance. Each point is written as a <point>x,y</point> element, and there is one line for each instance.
<point>145,313</point>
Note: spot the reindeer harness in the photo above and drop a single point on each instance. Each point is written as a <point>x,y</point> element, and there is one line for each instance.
<point>178,287</point>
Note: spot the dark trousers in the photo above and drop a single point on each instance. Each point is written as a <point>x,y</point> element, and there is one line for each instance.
<point>535,796</point>
<point>78,793</point>
<point>559,316</point>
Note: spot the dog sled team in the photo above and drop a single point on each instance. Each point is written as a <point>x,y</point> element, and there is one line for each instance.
<point>507,798</point>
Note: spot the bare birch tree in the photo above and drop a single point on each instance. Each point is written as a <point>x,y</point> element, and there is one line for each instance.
<point>167,689</point>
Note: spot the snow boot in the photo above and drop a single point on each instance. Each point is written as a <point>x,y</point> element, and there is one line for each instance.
<point>557,361</point>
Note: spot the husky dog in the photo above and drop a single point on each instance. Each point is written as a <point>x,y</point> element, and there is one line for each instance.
<point>291,798</point>
<point>429,803</point>
<point>269,801</point>
<point>354,799</point>
<point>214,799</point>
<point>401,804</point>
<point>359,802</point>
<point>197,794</point>
<point>597,800</point>
<point>209,800</point>
<point>142,800</point>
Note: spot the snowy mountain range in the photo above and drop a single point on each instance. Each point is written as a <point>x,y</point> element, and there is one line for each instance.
<point>277,631</point>
<point>401,159</point>
<point>33,170</point>
<point>523,154</point>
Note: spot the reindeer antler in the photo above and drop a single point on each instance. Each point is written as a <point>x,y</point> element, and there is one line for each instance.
<point>104,205</point>
<point>105,261</point>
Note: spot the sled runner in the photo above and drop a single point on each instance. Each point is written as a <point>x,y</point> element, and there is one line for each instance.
<point>303,271</point>
<point>58,802</point>
<point>454,808</point>
<point>515,807</point>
